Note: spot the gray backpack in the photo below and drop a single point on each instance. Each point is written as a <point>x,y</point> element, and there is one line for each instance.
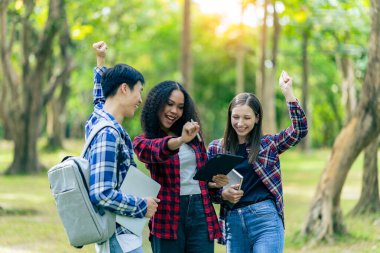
<point>69,183</point>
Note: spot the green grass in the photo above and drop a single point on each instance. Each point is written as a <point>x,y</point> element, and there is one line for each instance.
<point>29,221</point>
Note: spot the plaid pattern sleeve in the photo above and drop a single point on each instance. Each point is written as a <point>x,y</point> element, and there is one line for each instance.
<point>292,135</point>
<point>103,178</point>
<point>98,96</point>
<point>152,150</point>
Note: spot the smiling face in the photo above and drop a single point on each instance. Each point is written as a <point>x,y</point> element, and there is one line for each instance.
<point>173,110</point>
<point>132,98</point>
<point>243,120</point>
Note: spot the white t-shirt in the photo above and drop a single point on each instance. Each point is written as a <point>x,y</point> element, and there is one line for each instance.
<point>188,167</point>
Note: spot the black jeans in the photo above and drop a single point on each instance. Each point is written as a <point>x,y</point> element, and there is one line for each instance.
<point>192,235</point>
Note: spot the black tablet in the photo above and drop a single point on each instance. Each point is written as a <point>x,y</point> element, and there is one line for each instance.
<point>220,164</point>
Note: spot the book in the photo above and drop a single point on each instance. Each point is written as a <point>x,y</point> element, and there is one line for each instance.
<point>234,177</point>
<point>220,164</point>
<point>138,184</point>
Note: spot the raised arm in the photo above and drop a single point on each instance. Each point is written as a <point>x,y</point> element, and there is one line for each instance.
<point>100,49</point>
<point>292,135</point>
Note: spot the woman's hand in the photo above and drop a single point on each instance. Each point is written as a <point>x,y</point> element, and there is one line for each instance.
<point>189,131</point>
<point>218,181</point>
<point>286,84</point>
<point>232,195</point>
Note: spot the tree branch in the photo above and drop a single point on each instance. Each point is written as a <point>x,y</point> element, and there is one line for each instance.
<point>55,80</point>
<point>65,45</point>
<point>45,44</point>
<point>26,38</point>
<point>9,72</point>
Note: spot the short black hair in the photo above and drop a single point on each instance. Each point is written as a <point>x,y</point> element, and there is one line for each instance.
<point>113,77</point>
<point>156,101</point>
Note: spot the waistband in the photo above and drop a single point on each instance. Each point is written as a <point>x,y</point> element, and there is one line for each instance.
<point>190,197</point>
<point>258,205</point>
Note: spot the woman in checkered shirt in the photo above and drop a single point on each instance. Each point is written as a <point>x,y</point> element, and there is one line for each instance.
<point>185,220</point>
<point>252,217</point>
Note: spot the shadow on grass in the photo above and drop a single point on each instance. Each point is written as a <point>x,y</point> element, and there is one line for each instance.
<point>17,212</point>
<point>307,243</point>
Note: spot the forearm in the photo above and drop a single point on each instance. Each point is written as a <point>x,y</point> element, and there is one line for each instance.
<point>118,203</point>
<point>289,96</point>
<point>292,135</point>
<point>175,143</point>
<point>100,61</point>
<point>152,150</point>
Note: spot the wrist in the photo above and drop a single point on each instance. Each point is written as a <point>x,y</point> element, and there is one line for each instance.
<point>290,97</point>
<point>100,61</point>
<point>222,196</point>
<point>180,141</point>
<point>174,143</point>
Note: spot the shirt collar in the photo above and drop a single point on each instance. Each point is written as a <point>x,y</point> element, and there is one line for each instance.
<point>105,115</point>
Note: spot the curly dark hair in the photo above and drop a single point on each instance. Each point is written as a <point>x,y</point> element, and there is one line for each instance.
<point>155,102</point>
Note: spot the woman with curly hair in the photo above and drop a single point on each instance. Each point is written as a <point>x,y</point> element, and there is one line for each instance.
<point>185,220</point>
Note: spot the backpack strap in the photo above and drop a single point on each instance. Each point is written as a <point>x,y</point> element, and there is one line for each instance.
<point>94,131</point>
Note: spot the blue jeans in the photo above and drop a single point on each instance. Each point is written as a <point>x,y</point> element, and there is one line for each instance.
<point>115,247</point>
<point>192,234</point>
<point>256,228</point>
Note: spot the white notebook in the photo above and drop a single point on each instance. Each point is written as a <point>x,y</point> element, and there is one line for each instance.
<point>138,184</point>
<point>234,177</point>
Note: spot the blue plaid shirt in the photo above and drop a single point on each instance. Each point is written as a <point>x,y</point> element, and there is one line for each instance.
<point>103,161</point>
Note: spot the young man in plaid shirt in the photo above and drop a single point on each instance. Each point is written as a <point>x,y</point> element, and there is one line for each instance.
<point>117,95</point>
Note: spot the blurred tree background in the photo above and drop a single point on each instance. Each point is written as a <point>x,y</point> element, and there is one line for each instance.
<point>216,49</point>
<point>321,43</point>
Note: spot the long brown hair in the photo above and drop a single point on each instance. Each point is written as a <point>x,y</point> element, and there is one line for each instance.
<point>230,140</point>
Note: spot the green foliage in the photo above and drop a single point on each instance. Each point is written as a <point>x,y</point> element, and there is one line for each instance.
<point>147,35</point>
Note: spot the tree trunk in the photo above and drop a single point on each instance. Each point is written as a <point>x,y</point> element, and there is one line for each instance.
<point>240,55</point>
<point>348,86</point>
<point>325,216</point>
<point>262,87</point>
<point>56,120</point>
<point>25,90</point>
<point>305,143</point>
<point>25,146</point>
<point>186,61</point>
<point>271,83</point>
<point>369,201</point>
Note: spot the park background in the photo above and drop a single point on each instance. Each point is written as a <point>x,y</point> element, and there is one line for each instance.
<point>216,49</point>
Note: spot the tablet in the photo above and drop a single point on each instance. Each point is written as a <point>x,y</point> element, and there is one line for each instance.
<point>138,184</point>
<point>220,164</point>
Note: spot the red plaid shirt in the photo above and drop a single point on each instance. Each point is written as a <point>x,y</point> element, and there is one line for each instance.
<point>164,166</point>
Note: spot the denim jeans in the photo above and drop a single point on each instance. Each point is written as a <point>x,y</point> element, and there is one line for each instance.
<point>192,235</point>
<point>256,228</point>
<point>115,247</point>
